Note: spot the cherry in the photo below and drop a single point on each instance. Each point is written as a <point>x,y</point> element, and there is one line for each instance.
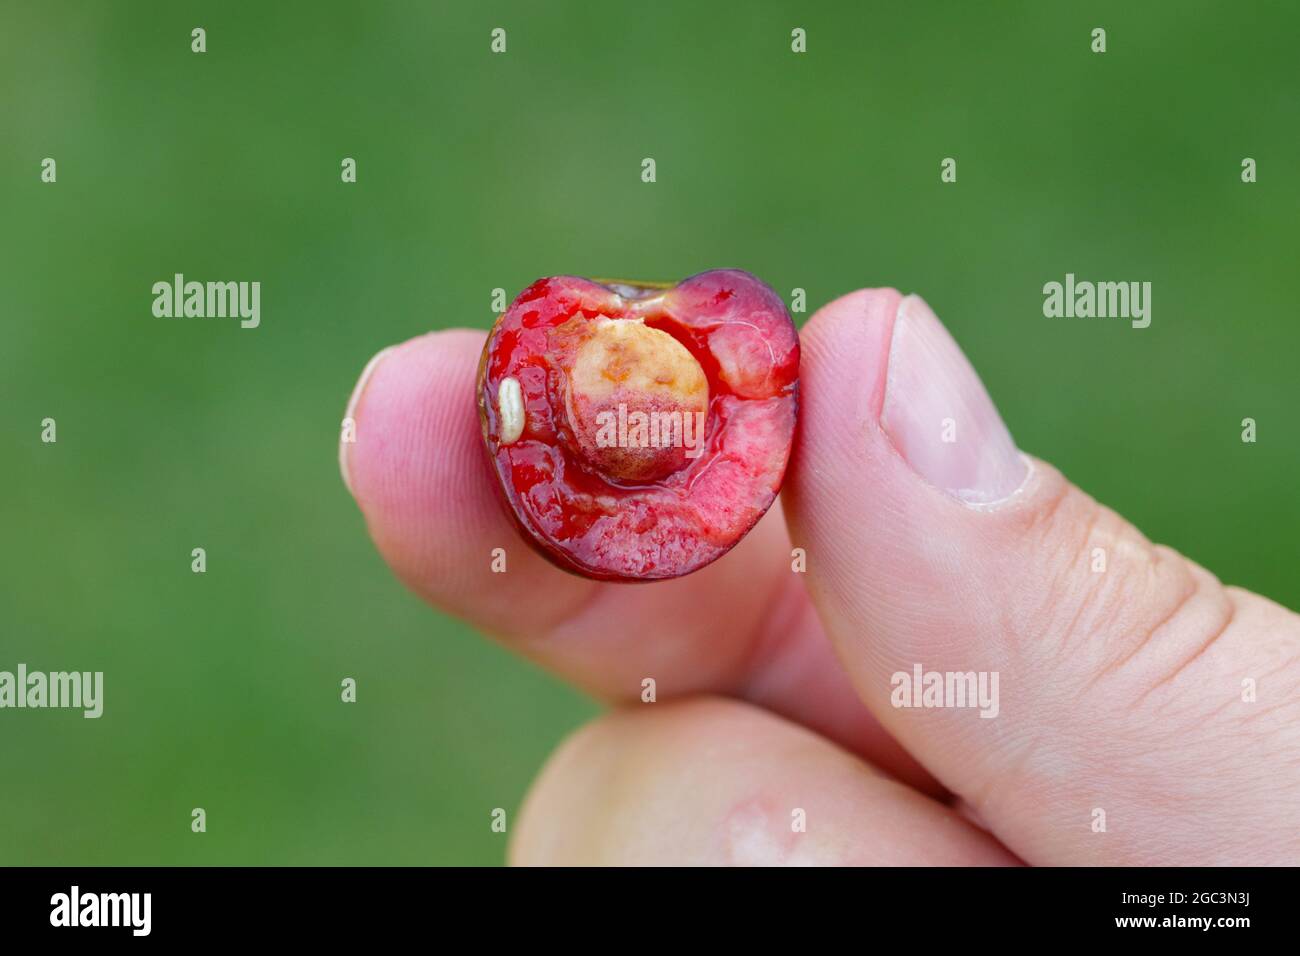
<point>639,431</point>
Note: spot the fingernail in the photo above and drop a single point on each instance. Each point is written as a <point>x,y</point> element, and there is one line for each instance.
<point>348,428</point>
<point>939,416</point>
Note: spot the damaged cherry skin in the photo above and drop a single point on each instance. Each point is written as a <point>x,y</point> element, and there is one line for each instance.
<point>638,432</point>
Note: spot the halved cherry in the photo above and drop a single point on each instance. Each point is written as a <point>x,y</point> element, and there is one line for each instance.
<point>639,431</point>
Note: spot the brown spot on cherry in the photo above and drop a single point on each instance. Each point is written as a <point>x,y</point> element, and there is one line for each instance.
<point>639,431</point>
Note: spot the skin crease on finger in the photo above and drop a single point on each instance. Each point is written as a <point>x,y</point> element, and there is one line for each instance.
<point>715,782</point>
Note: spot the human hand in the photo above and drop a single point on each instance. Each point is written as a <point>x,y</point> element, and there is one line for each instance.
<point>1147,691</point>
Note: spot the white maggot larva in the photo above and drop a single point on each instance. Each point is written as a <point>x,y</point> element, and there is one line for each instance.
<point>510,409</point>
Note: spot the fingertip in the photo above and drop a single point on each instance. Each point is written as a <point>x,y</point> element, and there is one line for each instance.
<point>846,345</point>
<point>409,395</point>
<point>415,465</point>
<point>843,370</point>
<point>347,433</point>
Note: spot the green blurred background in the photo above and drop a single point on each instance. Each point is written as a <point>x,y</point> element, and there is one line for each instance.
<point>477,170</point>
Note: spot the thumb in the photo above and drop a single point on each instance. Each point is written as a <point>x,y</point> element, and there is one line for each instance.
<point>1093,697</point>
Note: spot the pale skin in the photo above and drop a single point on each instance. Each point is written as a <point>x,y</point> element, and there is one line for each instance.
<point>773,738</point>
